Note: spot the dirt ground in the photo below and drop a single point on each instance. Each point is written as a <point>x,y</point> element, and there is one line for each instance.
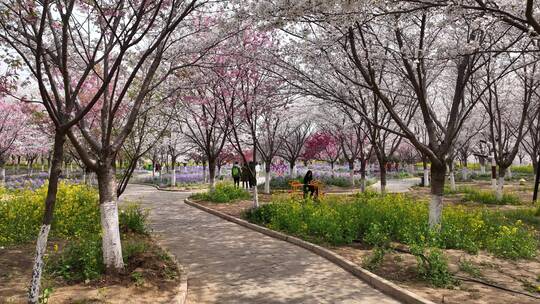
<point>157,281</point>
<point>516,275</point>
<point>522,276</point>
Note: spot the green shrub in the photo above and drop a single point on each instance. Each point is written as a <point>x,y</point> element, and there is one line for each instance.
<point>489,197</point>
<point>375,259</point>
<point>433,266</point>
<point>377,235</point>
<point>80,260</point>
<point>513,242</point>
<point>524,169</point>
<point>379,219</point>
<point>133,219</point>
<point>262,215</point>
<point>76,213</point>
<point>223,193</point>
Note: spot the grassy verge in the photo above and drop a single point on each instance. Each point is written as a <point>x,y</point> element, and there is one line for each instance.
<point>75,253</point>
<point>379,221</point>
<point>223,193</point>
<point>488,197</point>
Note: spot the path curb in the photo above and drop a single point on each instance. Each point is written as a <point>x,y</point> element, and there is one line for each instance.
<point>372,279</point>
<point>181,294</point>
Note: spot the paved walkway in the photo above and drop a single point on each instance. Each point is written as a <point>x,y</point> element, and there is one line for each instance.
<point>397,185</point>
<point>231,264</point>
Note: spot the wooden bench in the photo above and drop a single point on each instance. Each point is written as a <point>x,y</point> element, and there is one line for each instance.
<point>297,188</point>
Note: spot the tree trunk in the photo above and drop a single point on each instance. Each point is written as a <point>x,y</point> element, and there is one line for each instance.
<point>500,183</point>
<point>2,172</point>
<point>50,200</point>
<point>438,173</point>
<point>452,176</point>
<point>382,168</point>
<point>173,172</point>
<point>255,196</point>
<point>204,172</point>
<point>292,169</point>
<point>482,162</point>
<point>212,173</point>
<point>493,173</point>
<point>426,173</point>
<point>363,176</point>
<point>351,172</point>
<point>267,177</point>
<point>111,245</point>
<point>332,168</point>
<point>509,172</point>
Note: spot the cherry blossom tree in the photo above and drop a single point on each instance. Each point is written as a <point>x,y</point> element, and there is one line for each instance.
<point>65,47</point>
<point>248,90</point>
<point>323,145</point>
<point>202,116</point>
<point>294,143</point>
<point>271,137</point>
<point>508,110</point>
<point>12,131</point>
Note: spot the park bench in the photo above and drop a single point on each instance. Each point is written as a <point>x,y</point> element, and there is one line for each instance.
<point>297,188</point>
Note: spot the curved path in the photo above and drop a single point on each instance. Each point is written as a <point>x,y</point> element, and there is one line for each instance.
<point>231,264</point>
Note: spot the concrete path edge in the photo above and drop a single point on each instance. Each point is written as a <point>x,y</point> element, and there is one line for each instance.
<point>182,292</point>
<point>372,279</point>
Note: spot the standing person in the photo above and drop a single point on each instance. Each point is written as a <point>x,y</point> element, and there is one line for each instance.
<point>244,176</point>
<point>235,172</point>
<point>308,178</point>
<point>252,174</point>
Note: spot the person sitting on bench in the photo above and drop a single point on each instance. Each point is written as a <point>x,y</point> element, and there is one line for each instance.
<point>308,178</point>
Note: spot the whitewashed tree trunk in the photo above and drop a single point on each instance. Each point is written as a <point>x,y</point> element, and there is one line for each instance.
<point>438,172</point>
<point>84,177</point>
<point>173,177</point>
<point>333,172</point>
<point>500,186</point>
<point>509,172</point>
<point>452,181</point>
<point>351,173</point>
<point>435,210</point>
<point>110,232</point>
<point>255,197</point>
<point>41,246</point>
<point>112,247</point>
<point>426,177</point>
<point>482,169</point>
<point>2,176</point>
<point>267,177</point>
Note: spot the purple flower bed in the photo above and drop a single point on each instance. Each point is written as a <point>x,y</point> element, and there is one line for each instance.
<point>33,182</point>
